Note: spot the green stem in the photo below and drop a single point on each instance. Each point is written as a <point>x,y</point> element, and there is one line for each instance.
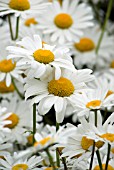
<point>50,158</point>
<point>99,160</point>
<point>18,92</point>
<point>108,156</point>
<point>17,28</point>
<point>57,154</point>
<point>92,157</point>
<point>34,122</point>
<point>10,27</point>
<point>63,161</point>
<point>104,26</point>
<point>93,150</point>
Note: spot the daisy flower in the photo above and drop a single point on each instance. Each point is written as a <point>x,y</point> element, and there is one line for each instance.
<point>85,51</point>
<point>80,142</point>
<point>9,69</point>
<point>3,122</point>
<point>59,93</point>
<point>17,117</point>
<point>93,99</point>
<point>66,22</point>
<point>22,7</point>
<point>40,57</point>
<point>10,163</point>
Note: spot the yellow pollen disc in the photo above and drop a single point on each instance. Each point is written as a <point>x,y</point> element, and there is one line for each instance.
<point>103,167</point>
<point>14,119</point>
<point>86,143</point>
<point>7,66</point>
<point>20,5</point>
<point>61,87</point>
<point>50,168</point>
<point>43,56</point>
<point>85,45</point>
<point>20,167</point>
<point>43,141</point>
<point>112,150</point>
<point>63,21</point>
<point>30,139</point>
<point>93,104</point>
<point>99,144</point>
<point>109,93</point>
<point>108,136</point>
<point>30,21</point>
<point>112,64</point>
<point>5,89</point>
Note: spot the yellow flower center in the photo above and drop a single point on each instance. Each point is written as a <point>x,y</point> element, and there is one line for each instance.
<point>43,141</point>
<point>20,167</point>
<point>109,93</point>
<point>7,66</point>
<point>86,143</point>
<point>30,21</point>
<point>63,21</point>
<point>30,139</point>
<point>14,119</point>
<point>85,45</point>
<point>112,64</point>
<point>61,87</point>
<point>20,5</point>
<point>99,144</point>
<point>112,150</point>
<point>43,56</point>
<point>5,89</point>
<point>93,104</point>
<point>50,168</point>
<point>103,167</point>
<point>108,136</point>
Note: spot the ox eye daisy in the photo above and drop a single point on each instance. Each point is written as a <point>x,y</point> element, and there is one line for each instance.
<point>16,119</point>
<point>11,163</point>
<point>95,99</point>
<point>84,51</point>
<point>39,57</point>
<point>22,7</point>
<point>63,21</point>
<point>60,92</point>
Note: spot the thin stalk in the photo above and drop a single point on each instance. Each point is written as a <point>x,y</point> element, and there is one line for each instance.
<point>17,28</point>
<point>57,154</point>
<point>104,25</point>
<point>10,27</point>
<point>63,161</point>
<point>50,158</point>
<point>108,156</point>
<point>18,92</point>
<point>99,160</point>
<point>34,122</point>
<point>93,150</point>
<point>92,157</point>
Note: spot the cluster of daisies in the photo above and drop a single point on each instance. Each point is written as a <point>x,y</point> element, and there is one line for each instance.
<point>56,85</point>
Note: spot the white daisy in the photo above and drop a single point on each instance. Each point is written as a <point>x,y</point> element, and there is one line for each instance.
<point>40,57</point>
<point>9,69</point>
<point>93,99</point>
<point>22,8</point>
<point>10,163</point>
<point>65,22</point>
<point>19,112</point>
<point>85,51</point>
<point>59,93</point>
<point>3,122</point>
